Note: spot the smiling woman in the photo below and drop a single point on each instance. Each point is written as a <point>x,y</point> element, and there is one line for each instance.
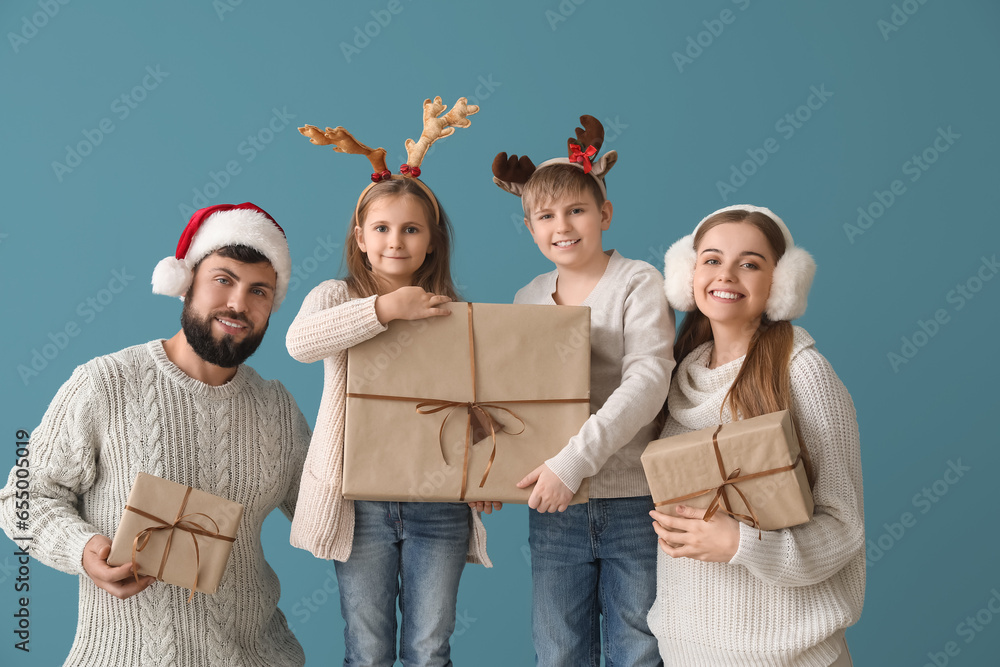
<point>797,588</point>
<point>732,281</point>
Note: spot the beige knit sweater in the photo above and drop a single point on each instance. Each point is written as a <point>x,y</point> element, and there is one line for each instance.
<point>135,411</point>
<point>782,600</point>
<point>329,323</point>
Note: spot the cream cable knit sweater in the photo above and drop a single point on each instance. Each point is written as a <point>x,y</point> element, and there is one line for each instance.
<point>135,411</point>
<point>780,600</point>
<point>329,323</point>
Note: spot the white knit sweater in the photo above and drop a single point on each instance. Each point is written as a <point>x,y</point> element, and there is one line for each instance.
<point>781,599</point>
<point>135,411</point>
<point>329,323</point>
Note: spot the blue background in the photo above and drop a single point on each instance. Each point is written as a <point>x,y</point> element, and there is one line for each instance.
<point>226,71</point>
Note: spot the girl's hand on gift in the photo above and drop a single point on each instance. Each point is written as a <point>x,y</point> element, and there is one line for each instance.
<point>409,303</point>
<point>115,580</point>
<point>486,506</point>
<point>549,494</point>
<point>713,541</point>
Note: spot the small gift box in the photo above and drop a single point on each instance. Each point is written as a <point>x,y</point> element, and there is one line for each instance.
<point>751,469</point>
<point>461,408</point>
<point>175,533</point>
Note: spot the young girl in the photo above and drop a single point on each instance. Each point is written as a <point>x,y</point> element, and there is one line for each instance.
<point>725,597</point>
<point>397,268</point>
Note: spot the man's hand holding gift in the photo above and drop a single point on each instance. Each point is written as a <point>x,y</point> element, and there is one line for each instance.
<point>118,580</point>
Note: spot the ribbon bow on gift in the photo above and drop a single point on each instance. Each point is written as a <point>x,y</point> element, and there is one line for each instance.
<point>586,157</point>
<point>181,522</point>
<point>480,424</point>
<point>730,480</point>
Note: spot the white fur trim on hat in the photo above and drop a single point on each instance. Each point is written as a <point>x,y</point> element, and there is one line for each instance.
<point>793,274</point>
<point>172,277</point>
<point>238,226</point>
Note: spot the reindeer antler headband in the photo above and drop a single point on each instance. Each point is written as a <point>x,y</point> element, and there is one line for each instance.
<point>511,173</point>
<point>435,127</point>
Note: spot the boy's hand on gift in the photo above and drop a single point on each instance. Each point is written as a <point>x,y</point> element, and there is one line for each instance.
<point>409,303</point>
<point>115,580</point>
<point>713,541</point>
<point>486,506</point>
<point>549,494</point>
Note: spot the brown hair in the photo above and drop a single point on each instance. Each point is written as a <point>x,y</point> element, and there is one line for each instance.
<point>557,180</point>
<point>434,275</point>
<point>763,384</point>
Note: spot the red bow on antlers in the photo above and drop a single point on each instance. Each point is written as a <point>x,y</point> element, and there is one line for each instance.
<point>585,157</point>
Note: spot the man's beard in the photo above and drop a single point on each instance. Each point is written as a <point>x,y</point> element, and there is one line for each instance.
<point>224,352</point>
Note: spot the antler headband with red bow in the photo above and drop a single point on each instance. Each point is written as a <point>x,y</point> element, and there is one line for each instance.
<point>436,126</point>
<point>511,173</point>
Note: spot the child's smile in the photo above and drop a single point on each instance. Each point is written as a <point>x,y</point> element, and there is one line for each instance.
<point>396,238</point>
<point>568,231</point>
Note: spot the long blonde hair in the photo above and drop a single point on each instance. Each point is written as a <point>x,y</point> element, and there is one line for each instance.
<point>763,384</point>
<point>434,275</point>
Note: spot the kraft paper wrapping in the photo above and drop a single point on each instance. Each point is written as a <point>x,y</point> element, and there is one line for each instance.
<point>523,354</point>
<point>685,464</point>
<point>166,501</point>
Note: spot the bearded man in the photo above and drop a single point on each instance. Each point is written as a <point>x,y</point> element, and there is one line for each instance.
<point>188,410</point>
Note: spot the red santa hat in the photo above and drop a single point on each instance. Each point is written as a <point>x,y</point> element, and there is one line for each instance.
<point>218,226</point>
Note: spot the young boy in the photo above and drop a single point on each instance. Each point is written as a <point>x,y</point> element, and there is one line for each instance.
<point>597,558</point>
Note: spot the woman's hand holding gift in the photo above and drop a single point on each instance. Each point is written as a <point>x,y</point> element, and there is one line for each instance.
<point>688,535</point>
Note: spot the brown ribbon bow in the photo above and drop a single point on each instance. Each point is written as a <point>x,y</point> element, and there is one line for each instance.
<point>180,522</point>
<point>730,480</point>
<point>480,420</point>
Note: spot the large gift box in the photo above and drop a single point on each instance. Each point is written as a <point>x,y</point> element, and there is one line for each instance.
<point>752,469</point>
<point>462,407</point>
<point>175,533</point>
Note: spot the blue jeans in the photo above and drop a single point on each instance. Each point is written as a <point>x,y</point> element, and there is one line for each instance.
<point>413,551</point>
<point>595,559</point>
